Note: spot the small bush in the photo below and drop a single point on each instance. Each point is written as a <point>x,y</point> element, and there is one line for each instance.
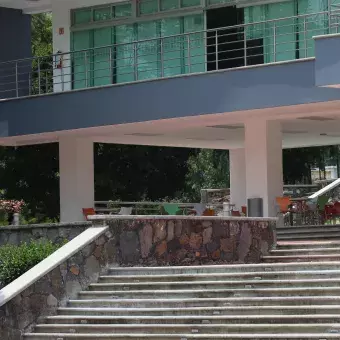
<point>16,260</point>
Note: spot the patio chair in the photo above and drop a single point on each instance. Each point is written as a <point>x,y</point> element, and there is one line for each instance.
<point>284,204</point>
<point>125,211</point>
<point>171,208</point>
<point>88,212</point>
<point>199,208</point>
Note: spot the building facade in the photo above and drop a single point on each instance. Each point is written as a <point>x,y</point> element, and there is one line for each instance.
<point>250,76</point>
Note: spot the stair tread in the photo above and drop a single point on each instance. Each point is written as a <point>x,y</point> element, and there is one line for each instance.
<point>252,336</point>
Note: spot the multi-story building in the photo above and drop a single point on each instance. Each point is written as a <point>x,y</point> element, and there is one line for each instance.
<point>251,76</point>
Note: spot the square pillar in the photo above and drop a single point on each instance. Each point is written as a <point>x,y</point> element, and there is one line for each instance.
<point>76,168</point>
<point>263,156</point>
<point>237,169</point>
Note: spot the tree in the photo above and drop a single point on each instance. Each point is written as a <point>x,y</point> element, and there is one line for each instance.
<point>207,169</point>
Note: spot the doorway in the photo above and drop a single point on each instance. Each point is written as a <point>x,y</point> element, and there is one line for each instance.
<point>226,47</point>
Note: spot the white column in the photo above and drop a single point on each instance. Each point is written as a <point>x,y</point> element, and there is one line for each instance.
<point>76,168</point>
<point>237,166</point>
<point>263,154</point>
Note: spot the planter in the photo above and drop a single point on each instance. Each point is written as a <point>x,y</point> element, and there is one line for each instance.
<point>16,219</point>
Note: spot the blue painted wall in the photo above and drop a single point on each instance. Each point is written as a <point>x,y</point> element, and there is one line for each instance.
<point>233,90</point>
<point>15,37</point>
<point>327,62</point>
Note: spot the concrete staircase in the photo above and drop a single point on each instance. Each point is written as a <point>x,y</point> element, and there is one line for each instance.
<point>281,299</point>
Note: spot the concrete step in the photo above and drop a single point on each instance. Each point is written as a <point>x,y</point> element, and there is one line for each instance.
<point>222,269</point>
<point>259,282</point>
<point>207,302</point>
<point>306,244</point>
<point>301,258</point>
<point>211,293</point>
<point>172,311</point>
<point>142,320</point>
<point>195,328</point>
<point>308,235</point>
<point>304,251</point>
<point>190,336</point>
<point>254,275</point>
<point>309,229</point>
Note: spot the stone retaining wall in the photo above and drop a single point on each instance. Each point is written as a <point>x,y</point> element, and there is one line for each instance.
<point>56,232</point>
<point>55,288</point>
<point>193,241</point>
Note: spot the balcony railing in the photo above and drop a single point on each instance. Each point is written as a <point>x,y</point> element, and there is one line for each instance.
<point>201,51</point>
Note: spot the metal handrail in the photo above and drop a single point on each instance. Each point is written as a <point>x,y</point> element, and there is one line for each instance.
<point>40,75</point>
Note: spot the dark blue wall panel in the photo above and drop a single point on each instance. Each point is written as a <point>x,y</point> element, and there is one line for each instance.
<point>327,60</point>
<point>15,37</point>
<point>239,89</point>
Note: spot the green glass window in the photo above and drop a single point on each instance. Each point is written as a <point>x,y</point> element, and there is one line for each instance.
<point>190,3</point>
<point>82,16</point>
<point>195,43</point>
<point>167,5</point>
<point>148,6</point>
<point>121,11</point>
<point>101,14</point>
<point>125,70</point>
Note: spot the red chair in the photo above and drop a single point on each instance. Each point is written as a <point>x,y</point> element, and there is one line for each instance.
<point>244,210</point>
<point>235,213</point>
<point>329,212</point>
<point>88,212</point>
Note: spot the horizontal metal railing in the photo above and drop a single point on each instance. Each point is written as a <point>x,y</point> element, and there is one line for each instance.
<point>153,208</point>
<point>200,51</point>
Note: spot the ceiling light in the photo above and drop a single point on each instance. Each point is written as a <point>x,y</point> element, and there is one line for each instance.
<point>317,118</point>
<point>141,134</point>
<point>228,127</point>
<point>293,132</point>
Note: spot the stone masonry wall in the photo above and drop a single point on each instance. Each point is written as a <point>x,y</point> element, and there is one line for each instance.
<point>136,241</point>
<point>193,241</point>
<point>55,288</point>
<point>56,232</point>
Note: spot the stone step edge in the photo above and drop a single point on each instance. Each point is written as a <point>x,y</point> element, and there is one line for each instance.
<point>303,250</point>
<point>193,317</point>
<point>301,256</point>
<point>190,291</point>
<point>227,267</point>
<point>230,274</point>
<point>188,309</point>
<point>226,300</point>
<point>193,283</point>
<point>319,336</point>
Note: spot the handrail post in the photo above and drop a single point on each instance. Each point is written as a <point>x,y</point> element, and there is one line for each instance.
<point>245,46</point>
<point>16,79</point>
<point>62,79</point>
<point>274,41</point>
<point>39,77</point>
<point>135,64</point>
<point>189,53</point>
<point>86,69</point>
<point>162,57</point>
<point>305,36</point>
<point>110,65</point>
<point>329,3</point>
<point>216,50</point>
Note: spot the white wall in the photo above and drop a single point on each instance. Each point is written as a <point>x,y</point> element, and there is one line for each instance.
<point>76,169</point>
<point>237,163</point>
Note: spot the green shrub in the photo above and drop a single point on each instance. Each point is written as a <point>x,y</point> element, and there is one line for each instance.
<point>16,260</point>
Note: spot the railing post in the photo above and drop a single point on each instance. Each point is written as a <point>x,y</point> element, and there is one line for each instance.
<point>216,50</point>
<point>162,57</point>
<point>86,70</point>
<point>245,46</point>
<point>110,65</point>
<point>16,79</point>
<point>62,78</point>
<point>329,15</point>
<point>39,77</point>
<point>305,36</point>
<point>135,64</point>
<point>189,53</point>
<point>274,41</point>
